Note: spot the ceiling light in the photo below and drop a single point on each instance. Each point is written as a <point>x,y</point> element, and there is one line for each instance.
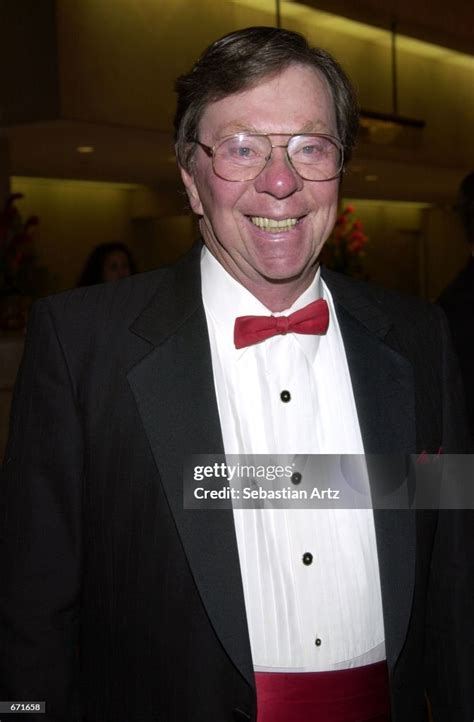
<point>84,149</point>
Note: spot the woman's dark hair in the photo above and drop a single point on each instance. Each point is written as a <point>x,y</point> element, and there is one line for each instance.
<point>93,271</point>
<point>242,59</point>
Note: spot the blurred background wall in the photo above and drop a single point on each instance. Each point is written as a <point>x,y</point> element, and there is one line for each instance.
<point>87,103</point>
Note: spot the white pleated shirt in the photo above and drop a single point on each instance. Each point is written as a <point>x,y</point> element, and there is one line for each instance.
<point>301,617</point>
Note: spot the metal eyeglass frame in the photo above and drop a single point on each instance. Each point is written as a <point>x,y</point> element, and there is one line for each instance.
<point>211,151</point>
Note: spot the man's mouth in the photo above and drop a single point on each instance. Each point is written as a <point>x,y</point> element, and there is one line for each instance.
<point>272,225</point>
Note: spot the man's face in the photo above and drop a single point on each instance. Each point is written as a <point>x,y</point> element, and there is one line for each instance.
<point>266,258</point>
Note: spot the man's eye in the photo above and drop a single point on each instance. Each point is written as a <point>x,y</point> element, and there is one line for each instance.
<point>313,149</point>
<point>242,152</point>
<point>245,152</point>
<point>237,152</point>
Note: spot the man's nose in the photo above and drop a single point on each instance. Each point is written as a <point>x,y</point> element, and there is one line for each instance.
<point>278,178</point>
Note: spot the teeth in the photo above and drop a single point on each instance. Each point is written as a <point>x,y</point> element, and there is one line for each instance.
<point>271,224</point>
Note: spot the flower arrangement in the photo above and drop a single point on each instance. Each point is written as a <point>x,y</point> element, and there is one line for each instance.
<point>345,248</point>
<point>21,278</point>
<point>17,254</point>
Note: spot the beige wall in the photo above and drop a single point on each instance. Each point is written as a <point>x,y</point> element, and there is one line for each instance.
<point>416,248</point>
<point>118,62</point>
<point>393,250</point>
<point>159,241</point>
<point>413,247</point>
<point>75,216</point>
<point>432,20</point>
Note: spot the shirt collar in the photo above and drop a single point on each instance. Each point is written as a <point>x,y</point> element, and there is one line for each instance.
<point>225,299</point>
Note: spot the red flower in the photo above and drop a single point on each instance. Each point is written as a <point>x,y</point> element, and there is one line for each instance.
<point>344,249</point>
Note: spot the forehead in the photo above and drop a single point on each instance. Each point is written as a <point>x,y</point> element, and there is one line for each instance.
<point>296,100</point>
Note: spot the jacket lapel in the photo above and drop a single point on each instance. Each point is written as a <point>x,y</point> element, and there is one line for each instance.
<point>382,379</point>
<point>174,391</point>
<point>383,385</point>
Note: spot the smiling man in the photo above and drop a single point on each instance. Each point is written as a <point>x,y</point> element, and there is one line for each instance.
<point>118,604</point>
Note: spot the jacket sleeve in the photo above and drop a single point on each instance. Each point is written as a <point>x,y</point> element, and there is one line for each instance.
<point>40,531</point>
<point>450,603</point>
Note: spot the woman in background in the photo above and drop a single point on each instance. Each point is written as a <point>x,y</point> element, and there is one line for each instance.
<point>107,262</point>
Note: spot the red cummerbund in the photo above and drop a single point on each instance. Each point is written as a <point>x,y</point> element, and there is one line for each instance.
<point>349,695</point>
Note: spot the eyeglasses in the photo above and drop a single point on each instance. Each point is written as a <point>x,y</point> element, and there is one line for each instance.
<point>241,157</point>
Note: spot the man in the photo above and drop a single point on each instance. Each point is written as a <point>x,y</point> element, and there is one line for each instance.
<point>457,300</point>
<point>118,603</point>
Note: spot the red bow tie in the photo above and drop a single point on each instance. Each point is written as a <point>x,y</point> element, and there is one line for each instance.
<point>312,319</point>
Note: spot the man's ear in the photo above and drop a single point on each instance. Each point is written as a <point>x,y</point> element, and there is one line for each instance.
<point>192,191</point>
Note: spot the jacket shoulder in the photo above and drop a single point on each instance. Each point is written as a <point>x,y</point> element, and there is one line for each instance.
<point>120,299</point>
<point>399,309</point>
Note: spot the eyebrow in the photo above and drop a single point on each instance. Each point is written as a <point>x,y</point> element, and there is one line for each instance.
<point>234,128</point>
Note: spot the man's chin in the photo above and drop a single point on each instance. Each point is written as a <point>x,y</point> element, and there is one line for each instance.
<point>279,275</point>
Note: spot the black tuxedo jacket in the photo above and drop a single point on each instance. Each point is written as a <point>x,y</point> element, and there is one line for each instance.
<point>117,605</point>
<point>457,301</point>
